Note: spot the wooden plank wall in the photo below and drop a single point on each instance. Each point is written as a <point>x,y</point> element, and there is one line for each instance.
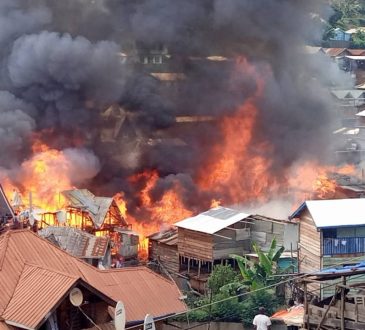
<point>167,255</point>
<point>309,253</point>
<point>309,245</point>
<point>195,245</point>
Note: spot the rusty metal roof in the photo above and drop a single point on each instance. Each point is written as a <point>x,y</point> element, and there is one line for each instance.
<point>97,207</point>
<point>35,285</point>
<point>333,52</point>
<point>77,242</point>
<point>139,288</point>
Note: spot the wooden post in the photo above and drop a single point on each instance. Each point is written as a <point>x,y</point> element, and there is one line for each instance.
<point>188,265</point>
<point>333,300</point>
<point>306,312</point>
<point>343,303</point>
<point>199,266</point>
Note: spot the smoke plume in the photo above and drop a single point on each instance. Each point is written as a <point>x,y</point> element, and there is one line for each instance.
<point>65,64</point>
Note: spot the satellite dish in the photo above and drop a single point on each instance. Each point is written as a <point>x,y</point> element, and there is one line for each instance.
<point>61,216</point>
<point>76,297</point>
<point>149,324</point>
<point>119,316</point>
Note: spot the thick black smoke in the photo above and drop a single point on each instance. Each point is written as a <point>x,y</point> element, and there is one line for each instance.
<point>62,66</point>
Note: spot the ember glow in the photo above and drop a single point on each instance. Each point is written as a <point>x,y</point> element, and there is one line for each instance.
<point>236,171</point>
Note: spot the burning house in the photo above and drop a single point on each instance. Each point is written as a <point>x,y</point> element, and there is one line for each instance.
<point>92,249</point>
<point>233,131</point>
<point>99,216</point>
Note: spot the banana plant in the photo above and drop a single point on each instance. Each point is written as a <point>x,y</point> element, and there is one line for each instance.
<point>259,274</point>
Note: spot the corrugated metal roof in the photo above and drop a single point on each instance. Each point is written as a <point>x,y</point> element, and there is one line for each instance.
<point>335,212</point>
<point>356,58</point>
<point>37,291</point>
<point>97,207</point>
<point>294,316</point>
<point>77,242</point>
<point>361,113</point>
<point>139,288</point>
<point>334,51</point>
<point>356,52</point>
<point>4,326</point>
<point>348,94</point>
<point>212,221</point>
<point>168,237</point>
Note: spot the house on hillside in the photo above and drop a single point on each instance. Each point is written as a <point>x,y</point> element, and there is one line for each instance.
<point>340,38</point>
<point>40,285</point>
<point>210,237</point>
<point>331,232</point>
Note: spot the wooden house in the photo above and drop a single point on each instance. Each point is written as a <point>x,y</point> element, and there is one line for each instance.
<point>330,232</point>
<point>208,239</point>
<point>90,248</point>
<point>162,249</point>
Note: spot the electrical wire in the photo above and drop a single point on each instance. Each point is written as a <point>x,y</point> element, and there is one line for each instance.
<point>89,318</point>
<point>254,291</point>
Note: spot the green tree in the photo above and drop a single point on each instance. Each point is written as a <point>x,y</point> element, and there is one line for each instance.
<point>259,274</point>
<point>220,277</point>
<point>347,13</point>
<point>358,40</point>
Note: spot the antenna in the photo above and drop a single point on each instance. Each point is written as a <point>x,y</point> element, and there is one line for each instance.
<point>149,324</point>
<point>76,297</point>
<point>119,316</point>
<point>31,217</point>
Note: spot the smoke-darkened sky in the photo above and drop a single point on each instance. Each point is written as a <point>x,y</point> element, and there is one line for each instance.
<point>60,68</point>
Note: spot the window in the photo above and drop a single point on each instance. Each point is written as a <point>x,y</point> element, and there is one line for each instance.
<point>157,59</point>
<point>145,60</point>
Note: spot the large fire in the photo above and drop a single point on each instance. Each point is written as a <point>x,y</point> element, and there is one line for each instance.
<point>235,172</point>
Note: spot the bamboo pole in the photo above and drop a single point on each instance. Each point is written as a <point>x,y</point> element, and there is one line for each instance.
<point>343,303</point>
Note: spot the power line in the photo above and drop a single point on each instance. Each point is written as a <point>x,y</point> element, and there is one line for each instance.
<point>254,291</point>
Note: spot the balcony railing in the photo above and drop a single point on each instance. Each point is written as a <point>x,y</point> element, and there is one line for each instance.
<point>344,245</point>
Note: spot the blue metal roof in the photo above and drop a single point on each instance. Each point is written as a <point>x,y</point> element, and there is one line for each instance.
<point>343,270</point>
